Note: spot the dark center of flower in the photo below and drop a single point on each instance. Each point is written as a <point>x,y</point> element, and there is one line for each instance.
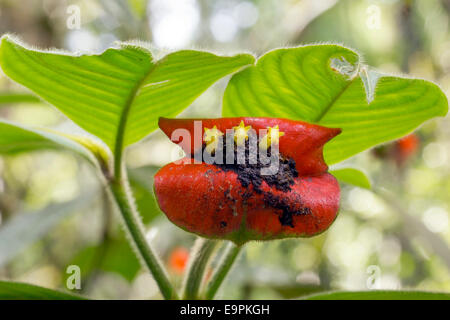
<point>253,166</point>
<point>249,172</point>
<point>280,170</point>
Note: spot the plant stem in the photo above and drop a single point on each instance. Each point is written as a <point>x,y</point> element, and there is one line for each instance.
<point>224,266</point>
<point>123,198</point>
<point>198,260</point>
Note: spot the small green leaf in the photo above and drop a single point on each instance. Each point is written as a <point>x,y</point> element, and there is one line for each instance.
<point>114,255</point>
<point>22,291</point>
<point>118,95</point>
<point>296,290</point>
<point>352,176</point>
<point>15,138</point>
<point>328,85</point>
<point>380,295</point>
<point>8,98</point>
<point>28,227</point>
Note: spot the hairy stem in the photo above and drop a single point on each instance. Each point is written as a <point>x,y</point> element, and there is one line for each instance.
<point>122,196</point>
<point>198,261</point>
<point>224,266</point>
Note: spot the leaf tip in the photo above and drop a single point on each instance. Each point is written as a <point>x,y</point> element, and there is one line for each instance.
<point>10,39</point>
<point>247,58</point>
<point>5,40</point>
<point>6,37</point>
<point>136,45</point>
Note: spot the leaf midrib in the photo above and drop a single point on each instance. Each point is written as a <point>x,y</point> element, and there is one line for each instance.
<point>350,81</point>
<point>336,98</point>
<point>120,135</point>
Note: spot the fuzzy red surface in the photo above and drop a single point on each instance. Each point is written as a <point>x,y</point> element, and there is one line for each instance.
<point>209,201</point>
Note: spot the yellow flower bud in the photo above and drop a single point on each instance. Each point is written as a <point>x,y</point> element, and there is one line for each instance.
<point>211,138</point>
<point>241,133</point>
<point>271,138</point>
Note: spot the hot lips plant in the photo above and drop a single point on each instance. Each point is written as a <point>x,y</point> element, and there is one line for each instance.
<point>262,186</point>
<point>258,173</point>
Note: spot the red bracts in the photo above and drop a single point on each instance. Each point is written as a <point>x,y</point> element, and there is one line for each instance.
<point>237,202</point>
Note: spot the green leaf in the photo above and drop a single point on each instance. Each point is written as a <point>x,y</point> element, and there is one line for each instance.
<point>380,295</point>
<point>28,227</point>
<point>352,176</point>
<point>296,290</point>
<point>118,95</point>
<point>15,138</point>
<point>121,258</point>
<point>113,255</point>
<point>328,85</point>
<point>22,291</point>
<point>8,98</point>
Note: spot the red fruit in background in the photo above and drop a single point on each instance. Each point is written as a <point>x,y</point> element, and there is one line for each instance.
<point>399,151</point>
<point>178,259</point>
<point>405,148</point>
<point>235,202</point>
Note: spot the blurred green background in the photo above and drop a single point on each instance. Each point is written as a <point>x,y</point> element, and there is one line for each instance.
<point>54,212</point>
